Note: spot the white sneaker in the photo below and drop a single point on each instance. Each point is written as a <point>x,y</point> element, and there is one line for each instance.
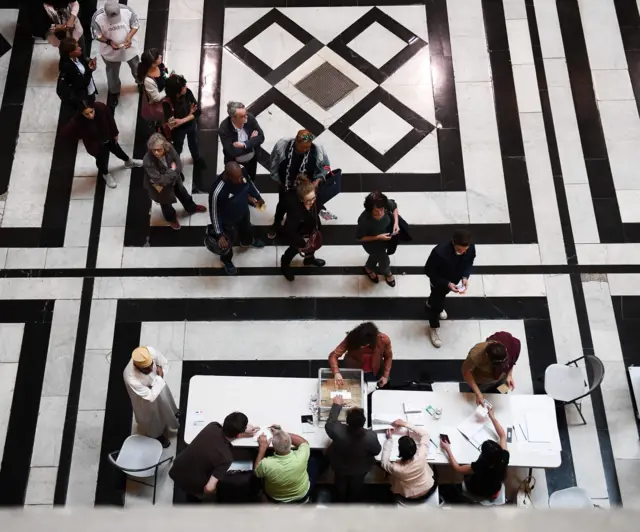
<point>443,314</point>
<point>110,181</point>
<point>434,335</point>
<point>131,163</point>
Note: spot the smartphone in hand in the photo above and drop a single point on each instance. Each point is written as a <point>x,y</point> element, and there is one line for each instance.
<point>445,438</point>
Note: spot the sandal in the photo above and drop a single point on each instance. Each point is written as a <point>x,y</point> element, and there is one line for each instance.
<point>391,282</point>
<point>373,277</point>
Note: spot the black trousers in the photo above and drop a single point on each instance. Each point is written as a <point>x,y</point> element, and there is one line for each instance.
<point>184,197</point>
<point>190,131</point>
<point>436,302</point>
<point>349,488</point>
<point>290,254</point>
<point>245,235</point>
<point>252,167</point>
<point>102,160</point>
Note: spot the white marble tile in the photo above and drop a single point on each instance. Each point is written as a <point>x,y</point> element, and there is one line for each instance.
<point>41,486</point>
<point>416,286</point>
<point>377,45</point>
<point>344,157</point>
<point>78,223</point>
<point>110,247</point>
<point>185,62</point>
<point>628,472</point>
<point>605,254</point>
<point>519,42</point>
<point>276,124</point>
<point>381,139</point>
<point>49,428</point>
<point>564,322</point>
<point>602,321</point>
<point>628,205</point>
<point>514,9</point>
<point>8,373</point>
<point>47,102</point>
<point>239,82</point>
<point>549,29</point>
<point>411,17</point>
<point>274,45</point>
<point>62,341</point>
<point>44,66</point>
<point>40,288</point>
<point>114,210</point>
<point>624,284</point>
<point>166,337</point>
<point>526,83</point>
<point>423,158</point>
<point>26,258</point>
<point>470,59</point>
<point>324,23</point>
<point>238,19</point>
<point>86,458</point>
<point>624,160</point>
<point>140,7</point>
<point>484,177</point>
<point>513,285</point>
<point>101,323</point>
<point>66,258</point>
<point>612,85</point>
<point>465,19</point>
<point>95,379</point>
<point>3,251</point>
<point>602,35</point>
<point>184,35</point>
<point>8,25</point>
<point>10,341</point>
<point>583,218</point>
<point>186,9</point>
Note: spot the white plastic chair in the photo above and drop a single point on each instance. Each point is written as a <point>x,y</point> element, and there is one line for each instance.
<point>433,501</point>
<point>500,500</point>
<point>570,498</point>
<point>139,458</point>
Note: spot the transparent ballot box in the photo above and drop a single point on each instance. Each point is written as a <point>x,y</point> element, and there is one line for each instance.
<point>353,384</point>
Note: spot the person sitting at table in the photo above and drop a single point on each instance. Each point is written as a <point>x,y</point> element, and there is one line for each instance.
<point>484,477</point>
<point>285,473</point>
<point>352,451</point>
<point>205,462</point>
<point>366,348</point>
<point>412,480</point>
<point>490,364</point>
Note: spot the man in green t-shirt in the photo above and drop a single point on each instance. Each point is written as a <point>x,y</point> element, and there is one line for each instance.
<point>285,473</point>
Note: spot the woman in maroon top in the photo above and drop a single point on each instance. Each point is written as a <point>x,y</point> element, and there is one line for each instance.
<point>365,348</point>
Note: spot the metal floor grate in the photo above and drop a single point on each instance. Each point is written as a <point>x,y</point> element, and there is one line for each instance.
<point>326,86</point>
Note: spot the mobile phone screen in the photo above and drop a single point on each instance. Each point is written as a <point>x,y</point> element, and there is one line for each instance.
<point>445,438</point>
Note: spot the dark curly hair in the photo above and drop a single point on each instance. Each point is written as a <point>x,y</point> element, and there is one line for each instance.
<point>375,200</point>
<point>364,334</point>
<point>174,85</point>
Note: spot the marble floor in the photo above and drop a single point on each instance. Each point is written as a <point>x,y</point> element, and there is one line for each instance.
<point>517,119</point>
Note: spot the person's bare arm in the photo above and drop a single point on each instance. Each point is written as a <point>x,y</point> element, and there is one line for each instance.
<point>297,441</point>
<point>499,430</point>
<point>463,469</point>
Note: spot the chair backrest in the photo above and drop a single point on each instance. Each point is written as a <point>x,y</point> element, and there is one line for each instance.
<point>597,370</point>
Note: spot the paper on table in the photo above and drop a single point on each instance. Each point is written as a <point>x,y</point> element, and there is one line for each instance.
<point>383,421</point>
<point>344,393</point>
<point>476,430</point>
<point>412,408</point>
<point>539,429</point>
<point>416,419</point>
<point>308,428</point>
<point>197,418</point>
<point>434,451</point>
<point>266,431</point>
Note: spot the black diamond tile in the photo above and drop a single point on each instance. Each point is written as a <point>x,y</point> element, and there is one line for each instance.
<point>340,45</point>
<point>326,86</point>
<point>421,128</point>
<point>237,46</point>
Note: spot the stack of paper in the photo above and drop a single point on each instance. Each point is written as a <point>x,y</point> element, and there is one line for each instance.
<point>415,419</point>
<point>383,421</point>
<point>412,408</point>
<point>344,393</point>
<point>477,431</point>
<point>539,428</point>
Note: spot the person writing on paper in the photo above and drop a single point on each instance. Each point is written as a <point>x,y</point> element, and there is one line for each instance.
<point>352,451</point>
<point>490,364</point>
<point>285,473</point>
<point>485,476</point>
<point>153,405</point>
<point>365,348</point>
<point>412,480</point>
<point>204,463</point>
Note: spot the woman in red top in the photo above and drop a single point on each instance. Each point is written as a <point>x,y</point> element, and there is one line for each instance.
<point>365,348</point>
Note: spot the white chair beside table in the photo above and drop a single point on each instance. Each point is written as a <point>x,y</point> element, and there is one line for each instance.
<point>570,498</point>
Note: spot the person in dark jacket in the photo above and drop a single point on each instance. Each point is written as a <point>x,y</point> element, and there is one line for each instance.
<point>76,72</point>
<point>352,451</point>
<point>302,220</point>
<point>229,201</point>
<point>181,112</point>
<point>448,268</point>
<point>163,179</point>
<point>95,126</point>
<point>241,138</point>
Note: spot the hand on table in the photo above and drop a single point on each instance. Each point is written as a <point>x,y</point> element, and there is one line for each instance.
<point>383,382</point>
<point>251,430</point>
<point>338,400</point>
<point>446,447</point>
<point>338,380</point>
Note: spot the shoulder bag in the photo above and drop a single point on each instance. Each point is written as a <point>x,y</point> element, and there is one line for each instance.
<point>315,237</point>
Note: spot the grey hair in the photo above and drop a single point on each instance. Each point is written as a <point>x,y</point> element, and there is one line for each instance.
<point>156,139</point>
<point>281,442</point>
<point>232,107</point>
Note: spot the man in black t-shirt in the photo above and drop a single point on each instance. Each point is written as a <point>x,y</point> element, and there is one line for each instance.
<point>205,462</point>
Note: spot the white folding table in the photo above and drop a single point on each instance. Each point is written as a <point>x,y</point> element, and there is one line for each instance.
<point>510,409</point>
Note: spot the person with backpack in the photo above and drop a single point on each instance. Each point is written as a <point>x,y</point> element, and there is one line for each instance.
<point>97,129</point>
<point>75,81</point>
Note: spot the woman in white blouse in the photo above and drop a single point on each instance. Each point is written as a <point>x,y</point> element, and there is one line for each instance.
<point>64,22</point>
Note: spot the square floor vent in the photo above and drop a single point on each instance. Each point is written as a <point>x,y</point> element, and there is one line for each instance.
<point>326,86</point>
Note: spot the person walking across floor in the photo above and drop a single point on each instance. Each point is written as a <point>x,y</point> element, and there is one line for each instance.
<point>153,405</point>
<point>164,180</point>
<point>352,451</point>
<point>97,129</point>
<point>154,74</point>
<point>448,268</point>
<point>116,27</point>
<point>64,22</point>
<point>241,138</point>
<point>181,113</point>
<point>293,157</point>
<point>365,348</point>
<point>490,364</point>
<point>302,228</point>
<point>229,201</point>
<point>75,82</point>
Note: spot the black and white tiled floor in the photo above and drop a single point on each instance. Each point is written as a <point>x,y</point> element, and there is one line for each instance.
<point>515,118</point>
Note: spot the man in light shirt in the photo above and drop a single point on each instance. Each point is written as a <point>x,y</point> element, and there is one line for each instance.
<point>116,26</point>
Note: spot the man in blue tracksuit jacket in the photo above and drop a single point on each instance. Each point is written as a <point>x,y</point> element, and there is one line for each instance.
<point>229,201</point>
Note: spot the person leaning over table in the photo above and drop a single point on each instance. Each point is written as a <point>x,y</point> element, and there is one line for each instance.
<point>490,364</point>
<point>365,348</point>
<point>412,479</point>
<point>352,451</point>
<point>484,477</point>
<point>204,463</point>
<point>285,473</point>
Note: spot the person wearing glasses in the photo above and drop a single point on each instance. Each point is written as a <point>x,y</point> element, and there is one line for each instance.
<point>241,138</point>
<point>490,364</point>
<point>292,158</point>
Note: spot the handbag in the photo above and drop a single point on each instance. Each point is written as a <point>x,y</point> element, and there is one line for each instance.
<point>211,242</point>
<point>314,242</point>
<point>152,111</point>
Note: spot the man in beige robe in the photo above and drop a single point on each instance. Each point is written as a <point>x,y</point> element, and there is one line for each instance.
<point>153,405</point>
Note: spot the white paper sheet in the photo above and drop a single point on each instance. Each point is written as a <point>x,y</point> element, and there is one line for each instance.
<point>264,430</point>
<point>383,421</point>
<point>412,408</point>
<point>539,429</point>
<point>344,393</point>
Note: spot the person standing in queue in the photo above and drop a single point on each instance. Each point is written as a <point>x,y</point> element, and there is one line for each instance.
<point>448,268</point>
<point>241,138</point>
<point>365,348</point>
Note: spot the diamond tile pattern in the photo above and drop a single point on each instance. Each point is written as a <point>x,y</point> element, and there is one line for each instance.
<point>326,86</point>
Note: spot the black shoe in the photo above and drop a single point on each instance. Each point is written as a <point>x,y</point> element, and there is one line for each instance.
<point>113,99</point>
<point>312,261</point>
<point>177,414</point>
<point>164,441</point>
<point>288,273</point>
